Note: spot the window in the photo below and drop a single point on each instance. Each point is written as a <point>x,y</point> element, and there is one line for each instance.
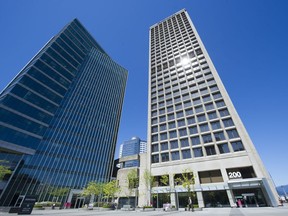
<point>178,106</point>
<point>173,144</point>
<point>171,116</point>
<point>189,112</point>
<point>175,155</point>
<point>179,114</point>
<point>182,132</point>
<point>195,140</point>
<point>211,176</point>
<point>155,148</point>
<point>193,130</point>
<point>217,95</point>
<point>212,115</point>
<point>163,136</point>
<point>161,111</point>
<point>184,142</point>
<point>204,128</point>
<point>155,158</point>
<point>164,157</point>
<point>201,118</point>
<point>163,127</point>
<point>196,101</point>
<point>228,122</point>
<point>164,146</point>
<point>224,112</point>
<point>232,134</point>
<point>181,122</point>
<point>199,109</point>
<point>204,91</point>
<point>206,98</point>
<point>237,146</point>
<point>213,88</point>
<point>219,136</point>
<point>198,152</point>
<point>162,118</point>
<point>215,125</point>
<point>186,154</point>
<point>171,125</point>
<point>210,150</point>
<point>191,120</point>
<point>209,106</point>
<point>207,138</point>
<point>223,148</point>
<point>170,109</point>
<point>220,103</point>
<point>154,129</point>
<point>172,134</point>
<point>154,121</point>
<point>187,104</point>
<point>154,138</point>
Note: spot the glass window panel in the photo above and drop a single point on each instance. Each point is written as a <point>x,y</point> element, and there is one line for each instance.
<point>198,152</point>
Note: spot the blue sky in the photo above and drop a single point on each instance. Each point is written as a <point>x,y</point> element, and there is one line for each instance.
<point>246,40</point>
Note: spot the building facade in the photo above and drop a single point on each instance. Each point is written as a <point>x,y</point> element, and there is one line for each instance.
<point>193,127</point>
<point>132,147</point>
<point>62,111</point>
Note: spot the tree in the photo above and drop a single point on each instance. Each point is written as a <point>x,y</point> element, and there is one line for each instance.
<point>148,180</point>
<point>187,180</point>
<point>93,189</point>
<point>133,181</point>
<point>59,192</point>
<point>4,170</point>
<point>110,189</point>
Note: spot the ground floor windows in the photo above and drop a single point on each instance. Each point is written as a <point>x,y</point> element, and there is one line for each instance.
<point>215,199</point>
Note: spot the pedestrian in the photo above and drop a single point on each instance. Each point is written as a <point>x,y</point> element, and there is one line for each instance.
<point>190,204</point>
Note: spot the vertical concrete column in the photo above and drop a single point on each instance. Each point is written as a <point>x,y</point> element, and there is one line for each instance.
<point>230,197</point>
<point>200,199</point>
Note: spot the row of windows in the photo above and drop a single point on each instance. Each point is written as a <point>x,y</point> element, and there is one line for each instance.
<point>201,128</point>
<point>197,152</point>
<point>189,118</point>
<point>194,105</point>
<point>173,73</point>
<point>195,140</point>
<point>209,176</point>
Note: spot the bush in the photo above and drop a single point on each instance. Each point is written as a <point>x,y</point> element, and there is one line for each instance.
<point>108,205</point>
<point>147,207</point>
<point>46,204</point>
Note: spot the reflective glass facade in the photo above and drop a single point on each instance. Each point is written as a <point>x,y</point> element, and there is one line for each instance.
<point>66,105</point>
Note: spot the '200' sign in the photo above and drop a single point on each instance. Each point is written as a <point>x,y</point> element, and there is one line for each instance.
<point>234,175</point>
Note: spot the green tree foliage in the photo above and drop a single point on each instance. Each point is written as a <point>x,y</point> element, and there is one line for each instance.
<point>110,189</point>
<point>59,192</point>
<point>93,188</point>
<point>187,180</point>
<point>4,170</point>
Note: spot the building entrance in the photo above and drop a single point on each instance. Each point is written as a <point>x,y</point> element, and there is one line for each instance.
<point>252,197</point>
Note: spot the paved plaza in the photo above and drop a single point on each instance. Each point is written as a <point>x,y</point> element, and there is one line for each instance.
<point>267,211</point>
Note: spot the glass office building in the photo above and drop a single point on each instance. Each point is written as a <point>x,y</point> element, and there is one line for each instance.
<point>59,118</point>
<point>131,147</point>
<point>194,127</point>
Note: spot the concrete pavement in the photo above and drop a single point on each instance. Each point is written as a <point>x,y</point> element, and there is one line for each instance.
<point>266,211</point>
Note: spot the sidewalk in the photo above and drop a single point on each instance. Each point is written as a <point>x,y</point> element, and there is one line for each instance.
<point>265,211</point>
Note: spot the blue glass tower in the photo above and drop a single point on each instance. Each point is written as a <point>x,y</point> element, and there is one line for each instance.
<point>59,117</point>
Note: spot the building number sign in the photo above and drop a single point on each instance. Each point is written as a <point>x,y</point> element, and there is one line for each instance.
<point>234,175</point>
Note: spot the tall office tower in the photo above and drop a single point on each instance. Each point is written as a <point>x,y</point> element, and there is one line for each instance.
<point>134,146</point>
<point>59,119</point>
<point>194,127</point>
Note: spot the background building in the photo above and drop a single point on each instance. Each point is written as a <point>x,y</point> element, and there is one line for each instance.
<point>131,147</point>
<point>130,154</point>
<point>64,107</point>
<point>194,127</point>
